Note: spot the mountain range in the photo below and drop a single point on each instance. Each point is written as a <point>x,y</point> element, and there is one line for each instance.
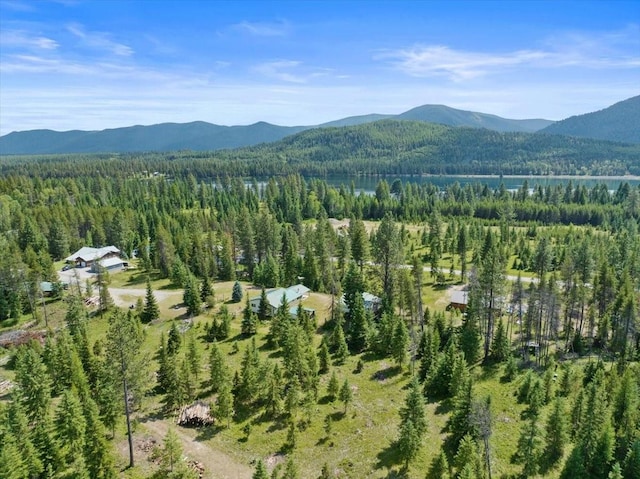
<point>201,136</point>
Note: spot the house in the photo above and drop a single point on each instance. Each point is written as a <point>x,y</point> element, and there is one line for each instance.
<point>111,264</point>
<point>371,303</point>
<point>87,256</point>
<point>274,298</point>
<point>459,300</point>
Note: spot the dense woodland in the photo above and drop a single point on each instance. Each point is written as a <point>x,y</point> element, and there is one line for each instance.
<point>553,313</point>
<point>387,147</point>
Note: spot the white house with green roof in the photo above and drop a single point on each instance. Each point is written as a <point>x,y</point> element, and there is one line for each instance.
<point>293,294</point>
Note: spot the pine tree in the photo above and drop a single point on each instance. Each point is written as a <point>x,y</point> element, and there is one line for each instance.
<point>323,357</point>
<point>530,448</point>
<point>263,307</point>
<point>399,342</point>
<point>500,347</point>
<point>174,341</point>
<point>224,402</point>
<point>291,470</point>
<point>439,467</point>
<point>206,291</point>
<point>460,420</point>
<point>236,293</point>
<point>34,383</point>
<point>18,425</point>
<point>151,310</point>
<point>12,464</point>
<point>359,327</point>
<point>171,454</point>
<point>413,424</point>
<point>556,436</point>
<point>191,296</point>
<point>193,356</point>
<point>342,350</point>
<point>218,370</point>
<point>98,455</point>
<point>345,395</point>
<point>249,324</point>
<point>467,460</point>
<point>71,425</point>
<point>631,466</point>
<point>260,472</point>
<point>413,409</point>
<point>409,442</point>
<point>333,389</point>
<point>124,339</point>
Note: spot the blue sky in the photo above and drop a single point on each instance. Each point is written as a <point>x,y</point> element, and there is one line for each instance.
<point>74,64</point>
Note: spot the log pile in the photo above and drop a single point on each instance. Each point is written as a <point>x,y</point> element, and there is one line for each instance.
<point>197,414</point>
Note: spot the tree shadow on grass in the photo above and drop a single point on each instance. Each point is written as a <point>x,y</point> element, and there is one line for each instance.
<point>444,406</point>
<point>326,400</point>
<point>489,371</point>
<point>278,425</point>
<point>388,457</point>
<point>386,373</point>
<point>206,433</point>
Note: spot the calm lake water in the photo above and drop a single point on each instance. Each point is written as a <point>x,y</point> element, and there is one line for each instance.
<point>368,184</point>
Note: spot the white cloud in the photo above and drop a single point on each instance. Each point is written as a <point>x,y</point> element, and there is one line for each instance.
<point>99,40</point>
<point>23,39</point>
<point>17,5</point>
<point>289,71</point>
<point>620,49</point>
<point>439,60</point>
<point>261,29</point>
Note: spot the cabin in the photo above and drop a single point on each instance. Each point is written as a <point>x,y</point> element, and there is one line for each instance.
<point>86,256</point>
<point>292,294</point>
<point>459,301</point>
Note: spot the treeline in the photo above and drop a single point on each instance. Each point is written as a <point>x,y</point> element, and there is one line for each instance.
<point>387,147</point>
<point>227,229</point>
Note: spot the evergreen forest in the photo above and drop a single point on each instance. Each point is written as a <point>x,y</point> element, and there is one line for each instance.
<point>180,367</point>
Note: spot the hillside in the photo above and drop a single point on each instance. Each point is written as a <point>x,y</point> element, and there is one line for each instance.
<point>406,147</point>
<point>202,136</point>
<point>619,122</point>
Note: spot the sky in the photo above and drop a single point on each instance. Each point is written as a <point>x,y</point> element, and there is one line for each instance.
<point>90,65</point>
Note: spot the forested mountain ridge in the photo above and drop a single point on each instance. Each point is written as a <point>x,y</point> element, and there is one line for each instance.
<point>619,122</point>
<point>381,148</point>
<point>405,147</point>
<point>201,135</point>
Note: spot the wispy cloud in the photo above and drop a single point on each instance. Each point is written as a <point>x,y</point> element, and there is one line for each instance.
<point>17,6</point>
<point>289,71</point>
<point>609,50</point>
<point>99,40</point>
<point>440,60</point>
<point>261,29</point>
<point>23,39</point>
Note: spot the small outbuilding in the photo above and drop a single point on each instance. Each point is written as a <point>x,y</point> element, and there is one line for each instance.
<point>459,301</point>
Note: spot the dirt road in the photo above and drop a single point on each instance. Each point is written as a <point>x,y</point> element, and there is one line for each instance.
<point>217,464</point>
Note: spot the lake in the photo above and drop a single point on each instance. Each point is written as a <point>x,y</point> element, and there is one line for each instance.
<point>368,183</point>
